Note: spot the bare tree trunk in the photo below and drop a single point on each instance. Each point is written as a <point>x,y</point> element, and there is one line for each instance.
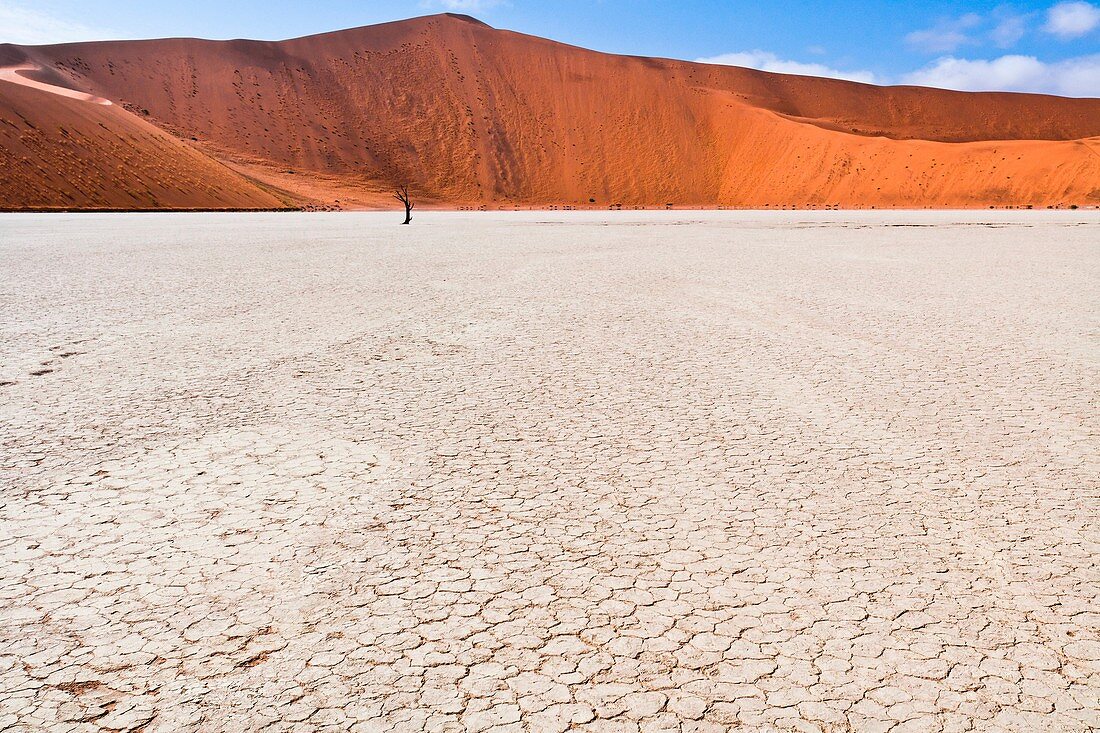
<point>402,195</point>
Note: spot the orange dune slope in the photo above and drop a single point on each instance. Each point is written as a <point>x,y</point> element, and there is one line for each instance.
<point>74,151</point>
<point>468,115</point>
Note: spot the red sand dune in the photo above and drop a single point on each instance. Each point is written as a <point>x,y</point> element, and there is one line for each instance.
<point>472,115</point>
<point>61,153</point>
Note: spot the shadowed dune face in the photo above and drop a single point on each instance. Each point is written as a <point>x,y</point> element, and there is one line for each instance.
<point>469,114</point>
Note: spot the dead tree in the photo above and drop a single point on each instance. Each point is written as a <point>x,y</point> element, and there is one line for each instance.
<point>402,195</point>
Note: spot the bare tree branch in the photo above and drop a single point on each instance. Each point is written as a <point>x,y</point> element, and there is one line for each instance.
<point>402,195</point>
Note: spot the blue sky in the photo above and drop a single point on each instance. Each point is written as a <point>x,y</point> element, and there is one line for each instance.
<point>1051,46</point>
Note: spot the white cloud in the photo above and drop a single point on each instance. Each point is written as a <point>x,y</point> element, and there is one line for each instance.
<point>945,36</point>
<point>767,61</point>
<point>1069,20</point>
<point>1076,77</point>
<point>25,25</point>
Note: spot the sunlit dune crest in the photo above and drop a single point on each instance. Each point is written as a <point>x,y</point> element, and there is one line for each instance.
<point>13,74</point>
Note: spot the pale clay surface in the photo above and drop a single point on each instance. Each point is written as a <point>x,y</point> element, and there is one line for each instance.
<point>547,472</point>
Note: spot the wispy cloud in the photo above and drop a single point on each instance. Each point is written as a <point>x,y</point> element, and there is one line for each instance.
<point>945,36</point>
<point>1075,77</point>
<point>1070,20</point>
<point>24,24</point>
<point>464,6</point>
<point>1008,28</point>
<point>767,61</point>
